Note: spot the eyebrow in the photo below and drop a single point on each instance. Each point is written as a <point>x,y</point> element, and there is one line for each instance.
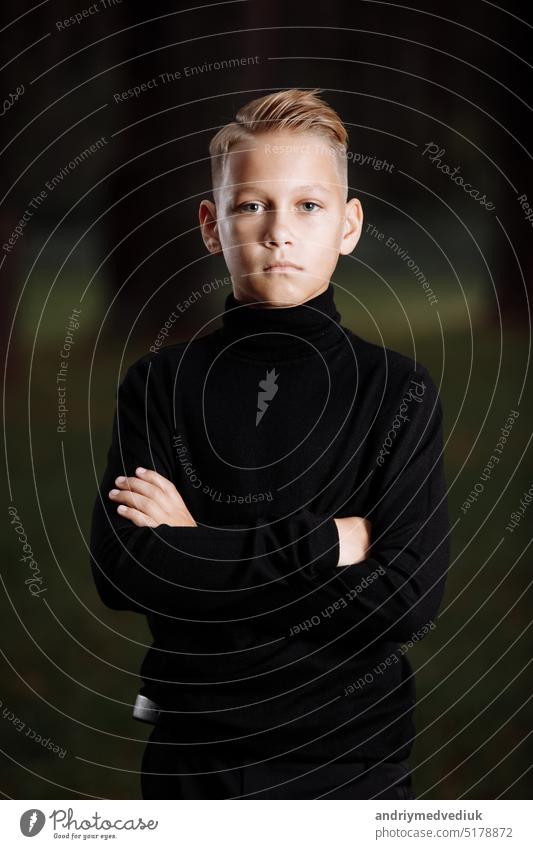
<point>313,187</point>
<point>308,187</point>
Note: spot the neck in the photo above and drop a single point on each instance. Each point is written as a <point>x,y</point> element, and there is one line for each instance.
<point>241,299</point>
<point>274,334</point>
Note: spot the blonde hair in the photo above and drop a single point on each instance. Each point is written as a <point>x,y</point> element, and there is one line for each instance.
<point>293,109</point>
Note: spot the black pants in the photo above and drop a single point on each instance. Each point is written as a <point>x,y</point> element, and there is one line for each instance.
<point>194,772</point>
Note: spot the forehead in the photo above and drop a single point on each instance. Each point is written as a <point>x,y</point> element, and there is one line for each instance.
<point>284,160</point>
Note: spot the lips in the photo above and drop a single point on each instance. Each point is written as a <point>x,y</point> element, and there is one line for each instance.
<point>283,266</point>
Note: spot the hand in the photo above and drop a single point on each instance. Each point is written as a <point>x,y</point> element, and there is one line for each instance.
<point>149,500</point>
<point>354,539</point>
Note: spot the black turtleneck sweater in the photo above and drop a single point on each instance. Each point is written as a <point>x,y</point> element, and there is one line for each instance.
<point>269,427</point>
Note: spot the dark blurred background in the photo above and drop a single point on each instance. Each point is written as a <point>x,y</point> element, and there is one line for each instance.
<point>100,193</point>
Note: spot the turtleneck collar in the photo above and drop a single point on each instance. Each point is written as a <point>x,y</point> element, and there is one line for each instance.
<point>283,332</point>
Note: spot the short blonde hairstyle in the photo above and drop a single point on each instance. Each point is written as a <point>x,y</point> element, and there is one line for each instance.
<point>294,109</point>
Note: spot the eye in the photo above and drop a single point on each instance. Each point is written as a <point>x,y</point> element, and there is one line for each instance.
<point>249,203</point>
<point>310,203</point>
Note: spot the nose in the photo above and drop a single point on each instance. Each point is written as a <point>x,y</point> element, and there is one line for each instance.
<point>277,227</point>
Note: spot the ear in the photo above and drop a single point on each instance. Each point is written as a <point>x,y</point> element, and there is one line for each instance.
<point>207,214</point>
<point>353,226</point>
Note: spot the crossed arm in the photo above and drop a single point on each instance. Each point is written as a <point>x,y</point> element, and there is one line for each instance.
<point>149,500</point>
<point>152,556</point>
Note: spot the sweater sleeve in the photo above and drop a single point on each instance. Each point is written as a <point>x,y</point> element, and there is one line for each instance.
<point>397,591</point>
<point>202,573</point>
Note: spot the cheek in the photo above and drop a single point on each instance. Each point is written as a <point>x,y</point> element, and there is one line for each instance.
<point>321,235</point>
<point>326,223</point>
<point>239,245</point>
<point>238,230</point>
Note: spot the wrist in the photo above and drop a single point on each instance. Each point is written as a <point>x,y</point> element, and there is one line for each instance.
<point>354,540</point>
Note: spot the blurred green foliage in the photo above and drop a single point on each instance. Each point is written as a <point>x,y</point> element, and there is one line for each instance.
<point>70,666</point>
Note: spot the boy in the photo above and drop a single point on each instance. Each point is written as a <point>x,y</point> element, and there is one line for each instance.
<point>274,498</point>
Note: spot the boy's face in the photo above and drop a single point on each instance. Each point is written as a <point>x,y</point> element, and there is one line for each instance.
<point>281,199</point>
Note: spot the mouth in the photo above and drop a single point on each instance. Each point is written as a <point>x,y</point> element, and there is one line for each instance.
<point>278,267</point>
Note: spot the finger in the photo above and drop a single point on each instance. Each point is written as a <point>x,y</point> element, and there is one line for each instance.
<point>155,478</point>
<point>135,484</point>
<point>166,485</point>
<point>134,499</point>
<point>137,517</point>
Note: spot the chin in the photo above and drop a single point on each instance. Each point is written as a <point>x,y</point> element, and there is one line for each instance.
<point>281,290</point>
